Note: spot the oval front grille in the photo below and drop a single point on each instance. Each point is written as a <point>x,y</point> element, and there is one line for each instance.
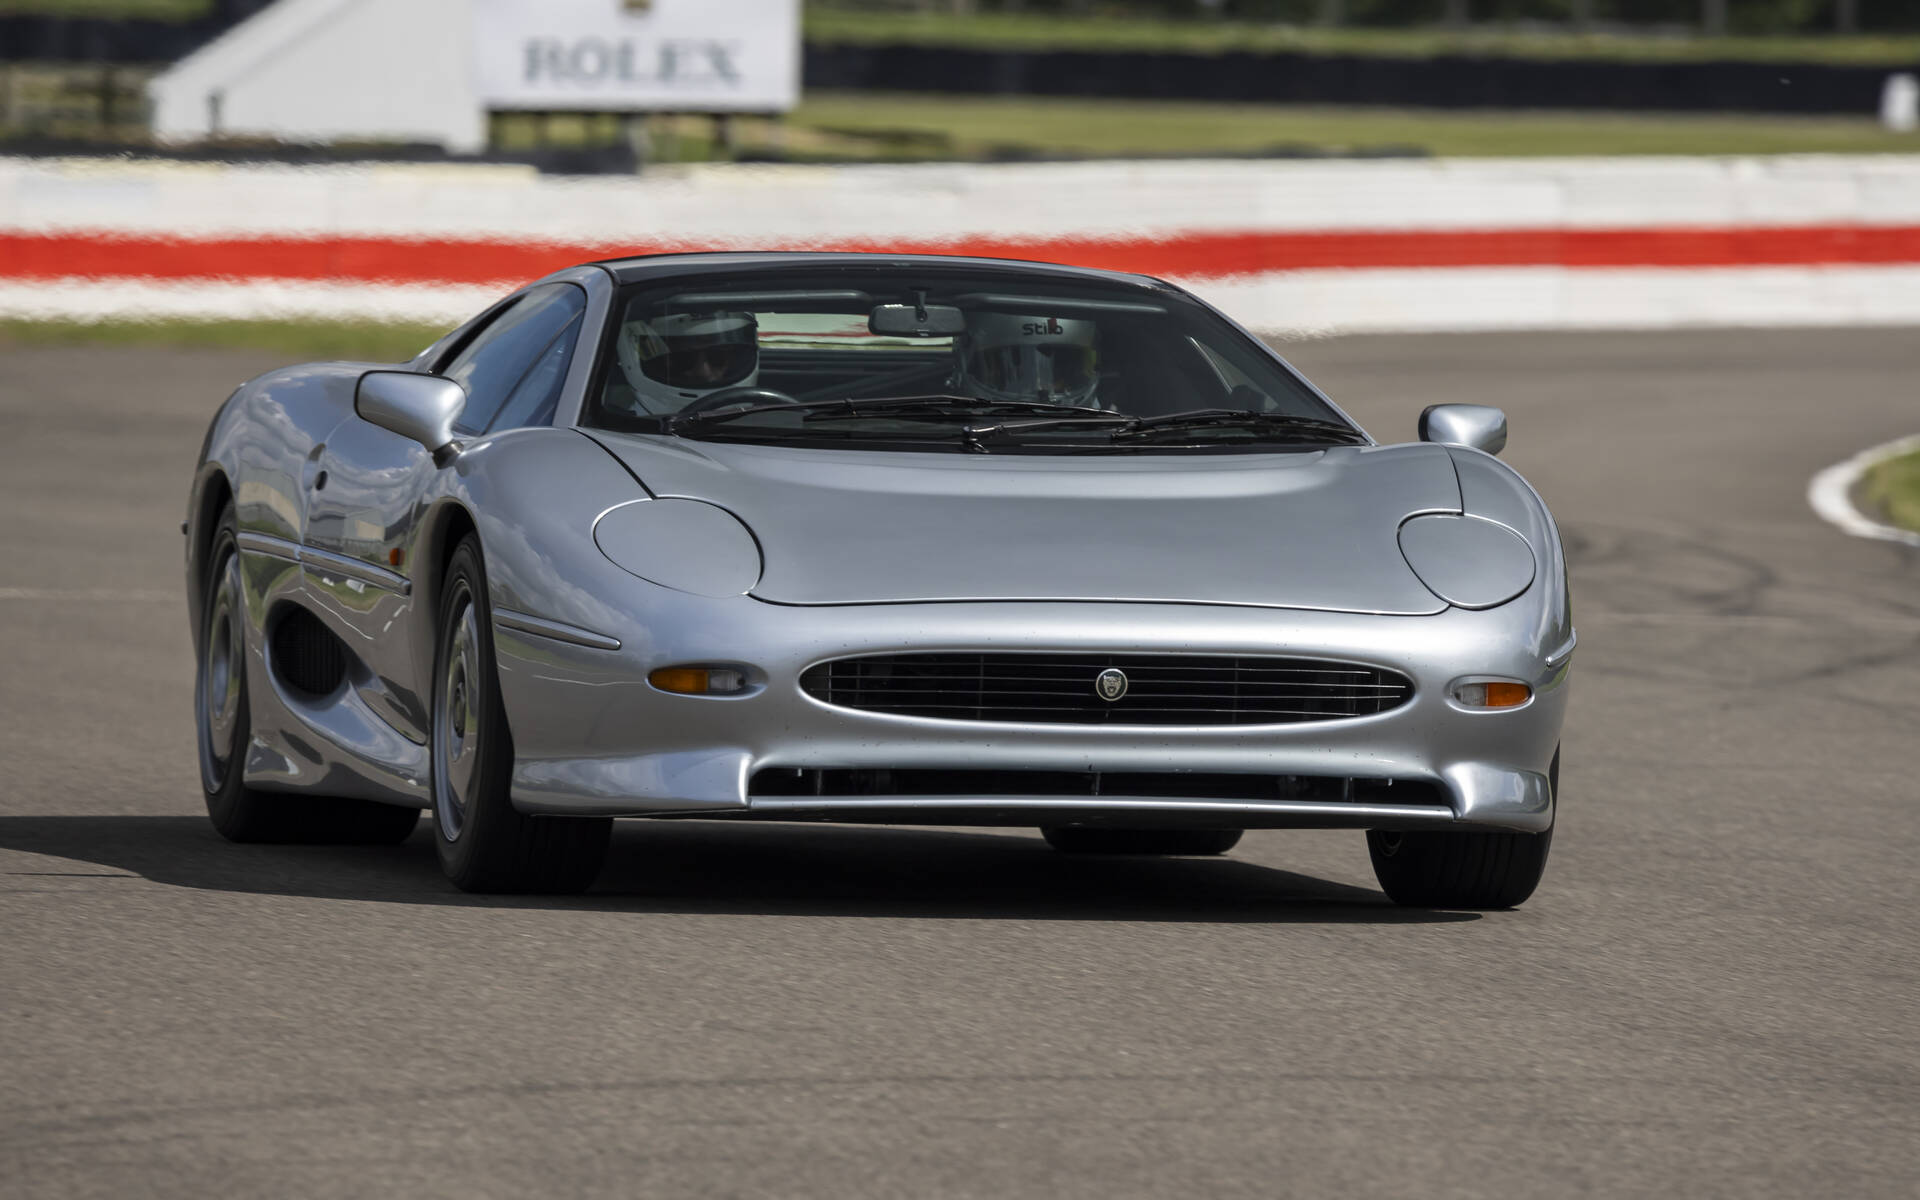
<point>1068,689</point>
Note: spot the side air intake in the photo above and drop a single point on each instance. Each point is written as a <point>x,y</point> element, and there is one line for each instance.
<point>304,654</point>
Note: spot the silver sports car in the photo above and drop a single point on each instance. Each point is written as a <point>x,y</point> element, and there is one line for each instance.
<point>867,538</point>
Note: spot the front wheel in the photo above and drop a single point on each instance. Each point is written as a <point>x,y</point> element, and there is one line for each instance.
<point>1080,839</point>
<point>1446,869</point>
<point>225,729</point>
<point>485,844</point>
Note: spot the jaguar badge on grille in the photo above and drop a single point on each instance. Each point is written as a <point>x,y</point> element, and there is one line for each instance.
<point>1110,684</point>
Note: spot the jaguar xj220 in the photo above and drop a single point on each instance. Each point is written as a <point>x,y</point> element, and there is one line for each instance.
<point>876,539</point>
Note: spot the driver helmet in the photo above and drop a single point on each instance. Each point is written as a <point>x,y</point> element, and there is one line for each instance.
<point>671,361</point>
<point>1012,358</point>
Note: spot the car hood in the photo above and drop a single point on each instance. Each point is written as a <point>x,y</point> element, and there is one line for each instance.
<point>1313,530</point>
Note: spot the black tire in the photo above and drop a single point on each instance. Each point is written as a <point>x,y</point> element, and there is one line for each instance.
<point>224,726</point>
<point>485,844</point>
<point>1441,869</point>
<point>1081,839</point>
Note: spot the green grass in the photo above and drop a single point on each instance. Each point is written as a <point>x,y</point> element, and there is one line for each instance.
<point>1893,487</point>
<point>1039,31</point>
<point>299,341</point>
<point>895,127</point>
<point>927,126</point>
<point>165,10</point>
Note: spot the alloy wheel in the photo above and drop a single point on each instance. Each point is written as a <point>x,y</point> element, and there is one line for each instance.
<point>456,720</point>
<point>222,672</point>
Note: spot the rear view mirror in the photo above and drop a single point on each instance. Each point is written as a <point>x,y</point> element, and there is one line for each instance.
<point>421,408</point>
<point>1472,425</point>
<point>922,320</point>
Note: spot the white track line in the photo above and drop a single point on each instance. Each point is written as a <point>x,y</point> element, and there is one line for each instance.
<point>1831,493</point>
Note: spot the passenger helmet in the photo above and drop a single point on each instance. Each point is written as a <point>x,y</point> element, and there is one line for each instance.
<point>1010,358</point>
<point>671,361</point>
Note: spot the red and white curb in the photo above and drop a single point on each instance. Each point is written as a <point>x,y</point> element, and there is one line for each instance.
<point>1285,247</point>
<point>1831,493</point>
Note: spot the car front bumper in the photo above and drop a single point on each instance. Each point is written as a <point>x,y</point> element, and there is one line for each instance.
<point>592,737</point>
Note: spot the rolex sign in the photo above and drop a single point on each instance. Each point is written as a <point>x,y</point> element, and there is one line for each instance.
<point>638,55</point>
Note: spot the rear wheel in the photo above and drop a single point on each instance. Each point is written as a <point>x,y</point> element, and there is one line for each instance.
<point>225,728</point>
<point>1079,839</point>
<point>485,844</point>
<point>1444,869</point>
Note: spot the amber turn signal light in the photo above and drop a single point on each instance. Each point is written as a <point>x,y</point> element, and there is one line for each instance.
<point>699,681</point>
<point>1494,694</point>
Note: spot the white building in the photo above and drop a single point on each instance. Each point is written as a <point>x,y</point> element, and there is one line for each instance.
<point>432,70</point>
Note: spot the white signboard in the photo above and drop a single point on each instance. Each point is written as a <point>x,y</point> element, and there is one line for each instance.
<point>638,55</point>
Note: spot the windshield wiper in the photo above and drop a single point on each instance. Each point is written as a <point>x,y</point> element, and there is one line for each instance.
<point>1039,415</point>
<point>1277,426</point>
<point>1265,426</point>
<point>680,421</point>
<point>933,405</point>
<point>943,405</point>
<point>975,437</point>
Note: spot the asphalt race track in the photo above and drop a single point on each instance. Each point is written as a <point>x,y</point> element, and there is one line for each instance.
<point>1713,994</point>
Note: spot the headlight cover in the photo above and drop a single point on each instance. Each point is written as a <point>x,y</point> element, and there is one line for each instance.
<point>1467,561</point>
<point>687,545</point>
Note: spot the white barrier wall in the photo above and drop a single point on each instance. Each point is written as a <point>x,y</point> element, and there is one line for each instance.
<point>319,70</point>
<point>1318,246</point>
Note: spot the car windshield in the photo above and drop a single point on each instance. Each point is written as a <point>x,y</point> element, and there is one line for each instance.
<point>948,358</point>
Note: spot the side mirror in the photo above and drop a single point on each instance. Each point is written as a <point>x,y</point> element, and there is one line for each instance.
<point>421,408</point>
<point>1472,425</point>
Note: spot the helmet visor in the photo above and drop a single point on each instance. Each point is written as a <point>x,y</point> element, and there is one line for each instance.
<point>702,367</point>
<point>1055,369</point>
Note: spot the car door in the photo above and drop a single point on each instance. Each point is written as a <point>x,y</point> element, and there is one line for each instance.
<point>367,496</point>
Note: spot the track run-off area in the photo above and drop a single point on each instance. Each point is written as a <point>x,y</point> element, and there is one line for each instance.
<point>1712,994</point>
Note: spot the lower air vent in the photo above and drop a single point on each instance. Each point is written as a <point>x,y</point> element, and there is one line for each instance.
<point>1107,689</point>
<point>970,784</point>
<point>305,655</point>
